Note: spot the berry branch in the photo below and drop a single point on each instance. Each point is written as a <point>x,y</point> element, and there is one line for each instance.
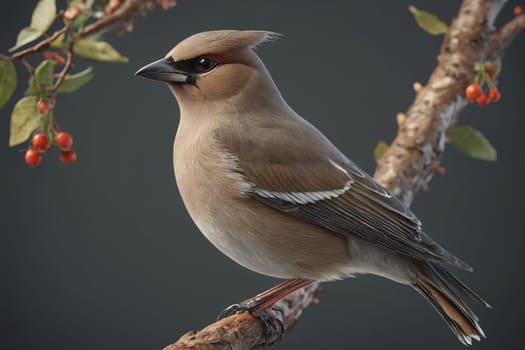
<point>408,164</point>
<point>416,152</point>
<point>33,114</point>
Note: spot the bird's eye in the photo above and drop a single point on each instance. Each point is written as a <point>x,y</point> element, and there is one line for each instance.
<point>204,64</point>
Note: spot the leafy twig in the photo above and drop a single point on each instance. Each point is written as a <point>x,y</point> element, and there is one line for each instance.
<point>35,114</point>
<point>39,46</point>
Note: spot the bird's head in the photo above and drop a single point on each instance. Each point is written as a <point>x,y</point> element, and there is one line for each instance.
<point>214,66</point>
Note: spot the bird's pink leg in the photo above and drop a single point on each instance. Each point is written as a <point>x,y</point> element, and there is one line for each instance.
<point>268,298</point>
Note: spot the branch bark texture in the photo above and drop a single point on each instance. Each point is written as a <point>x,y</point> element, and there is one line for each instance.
<point>415,153</point>
<point>411,160</point>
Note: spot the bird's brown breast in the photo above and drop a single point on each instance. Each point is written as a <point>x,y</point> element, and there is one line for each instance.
<point>249,232</point>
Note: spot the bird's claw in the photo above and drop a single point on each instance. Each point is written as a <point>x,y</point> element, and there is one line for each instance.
<point>232,310</point>
<point>273,325</point>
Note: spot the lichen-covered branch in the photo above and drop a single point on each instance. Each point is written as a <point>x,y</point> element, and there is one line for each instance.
<point>410,161</point>
<point>416,152</point>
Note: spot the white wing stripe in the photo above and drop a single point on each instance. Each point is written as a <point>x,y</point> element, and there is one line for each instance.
<point>307,197</point>
<point>303,197</point>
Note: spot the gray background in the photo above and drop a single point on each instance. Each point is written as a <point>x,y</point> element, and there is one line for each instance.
<point>102,255</point>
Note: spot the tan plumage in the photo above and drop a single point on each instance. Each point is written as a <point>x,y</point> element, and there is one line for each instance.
<point>272,192</point>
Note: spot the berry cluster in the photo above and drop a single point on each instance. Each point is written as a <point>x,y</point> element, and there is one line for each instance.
<point>40,142</point>
<point>486,74</point>
<point>473,93</point>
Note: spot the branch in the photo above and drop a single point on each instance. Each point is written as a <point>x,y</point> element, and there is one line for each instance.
<point>408,165</point>
<point>124,12</point>
<point>244,331</point>
<point>69,62</point>
<point>39,46</point>
<point>410,162</point>
<point>507,33</point>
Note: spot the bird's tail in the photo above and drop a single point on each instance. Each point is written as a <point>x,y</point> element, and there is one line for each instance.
<point>444,291</point>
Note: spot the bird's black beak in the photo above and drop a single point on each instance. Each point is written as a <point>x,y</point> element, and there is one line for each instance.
<point>164,70</point>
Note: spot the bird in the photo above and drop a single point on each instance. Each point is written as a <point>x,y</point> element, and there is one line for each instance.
<point>271,192</point>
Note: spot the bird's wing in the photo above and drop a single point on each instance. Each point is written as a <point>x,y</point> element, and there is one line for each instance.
<point>313,181</point>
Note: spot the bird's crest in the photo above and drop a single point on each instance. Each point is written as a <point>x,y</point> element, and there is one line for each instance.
<point>220,41</point>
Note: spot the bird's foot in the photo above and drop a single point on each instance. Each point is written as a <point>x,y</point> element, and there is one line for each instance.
<point>273,323</point>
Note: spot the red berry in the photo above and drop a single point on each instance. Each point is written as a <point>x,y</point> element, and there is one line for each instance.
<point>68,157</point>
<point>440,170</point>
<point>33,158</point>
<point>40,142</point>
<point>59,60</point>
<point>483,100</point>
<point>517,11</point>
<point>472,92</point>
<point>42,106</point>
<point>49,55</point>
<point>64,141</point>
<point>494,94</point>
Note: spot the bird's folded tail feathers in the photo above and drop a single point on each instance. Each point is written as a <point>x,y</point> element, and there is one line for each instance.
<point>442,290</point>
<point>444,255</point>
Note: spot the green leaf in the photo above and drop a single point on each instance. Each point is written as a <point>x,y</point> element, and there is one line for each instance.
<point>429,22</point>
<point>24,120</point>
<point>43,17</point>
<point>471,142</point>
<point>25,36</point>
<point>58,42</point>
<point>98,51</point>
<point>42,83</point>
<point>73,82</point>
<point>31,88</point>
<point>380,150</point>
<point>7,81</point>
